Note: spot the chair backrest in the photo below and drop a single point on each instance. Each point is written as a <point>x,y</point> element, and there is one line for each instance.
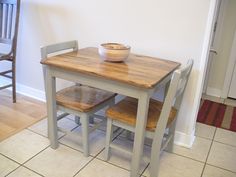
<point>54,48</point>
<point>50,49</point>
<point>177,86</point>
<point>174,94</point>
<point>183,78</point>
<point>9,22</point>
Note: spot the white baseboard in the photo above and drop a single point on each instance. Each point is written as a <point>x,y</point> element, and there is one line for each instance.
<point>213,92</point>
<point>184,140</point>
<point>25,90</point>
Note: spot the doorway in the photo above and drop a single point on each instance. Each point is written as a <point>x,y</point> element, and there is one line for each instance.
<point>219,79</point>
<point>217,107</point>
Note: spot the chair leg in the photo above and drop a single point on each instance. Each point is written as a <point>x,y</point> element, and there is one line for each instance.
<point>170,145</point>
<point>77,120</point>
<point>85,133</point>
<point>128,135</point>
<point>155,156</point>
<point>109,135</point>
<point>13,81</point>
<point>91,119</point>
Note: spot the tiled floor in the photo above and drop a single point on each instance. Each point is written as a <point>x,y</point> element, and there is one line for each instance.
<point>27,154</point>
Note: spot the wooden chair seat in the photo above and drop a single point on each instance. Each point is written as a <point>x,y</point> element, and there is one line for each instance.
<point>126,110</point>
<point>82,98</point>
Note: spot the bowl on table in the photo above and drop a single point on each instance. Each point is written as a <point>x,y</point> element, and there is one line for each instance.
<point>114,52</point>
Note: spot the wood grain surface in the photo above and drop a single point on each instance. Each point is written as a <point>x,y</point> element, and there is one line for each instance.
<point>82,98</point>
<point>137,70</point>
<point>15,117</point>
<point>126,111</point>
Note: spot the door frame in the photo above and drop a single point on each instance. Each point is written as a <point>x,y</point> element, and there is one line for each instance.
<point>230,69</point>
<point>215,41</point>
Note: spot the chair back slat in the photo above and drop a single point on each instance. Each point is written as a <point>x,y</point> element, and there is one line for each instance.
<point>50,49</point>
<point>9,19</point>
<point>1,19</point>
<point>183,78</point>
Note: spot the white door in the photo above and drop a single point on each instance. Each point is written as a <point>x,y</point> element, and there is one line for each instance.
<point>232,89</point>
<point>212,52</point>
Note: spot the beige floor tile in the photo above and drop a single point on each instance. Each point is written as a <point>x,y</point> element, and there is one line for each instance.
<point>24,145</point>
<point>6,166</point>
<point>62,162</point>
<point>96,141</point>
<point>172,165</point>
<point>205,131</point>
<point>23,172</point>
<point>198,151</point>
<point>223,156</point>
<point>42,128</point>
<point>123,160</point>
<point>225,136</point>
<point>99,168</point>
<point>211,171</point>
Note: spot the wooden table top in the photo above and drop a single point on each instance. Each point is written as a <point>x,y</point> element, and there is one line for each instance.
<point>137,70</point>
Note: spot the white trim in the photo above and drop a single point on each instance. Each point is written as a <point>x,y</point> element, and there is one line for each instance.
<point>218,18</point>
<point>213,92</point>
<point>27,91</point>
<point>184,140</point>
<point>220,24</point>
<point>203,65</point>
<point>230,69</point>
<point>31,92</point>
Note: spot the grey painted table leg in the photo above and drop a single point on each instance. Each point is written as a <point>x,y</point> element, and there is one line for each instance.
<point>143,105</point>
<point>51,109</point>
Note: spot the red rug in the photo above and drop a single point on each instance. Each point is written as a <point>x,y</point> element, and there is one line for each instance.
<point>218,115</point>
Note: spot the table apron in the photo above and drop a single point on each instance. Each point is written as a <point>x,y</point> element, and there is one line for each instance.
<point>102,83</point>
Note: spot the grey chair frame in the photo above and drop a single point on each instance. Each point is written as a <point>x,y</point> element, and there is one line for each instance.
<point>9,22</point>
<point>84,116</point>
<point>161,139</point>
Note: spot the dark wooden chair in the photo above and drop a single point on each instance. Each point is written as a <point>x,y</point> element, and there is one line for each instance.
<point>9,22</point>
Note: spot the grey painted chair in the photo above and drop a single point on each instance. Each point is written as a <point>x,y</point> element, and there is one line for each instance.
<point>9,21</point>
<point>161,118</point>
<point>79,100</point>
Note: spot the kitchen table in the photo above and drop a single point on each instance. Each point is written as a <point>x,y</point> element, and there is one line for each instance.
<point>138,77</point>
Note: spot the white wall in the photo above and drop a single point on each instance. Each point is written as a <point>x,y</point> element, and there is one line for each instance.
<point>170,29</point>
<point>220,61</point>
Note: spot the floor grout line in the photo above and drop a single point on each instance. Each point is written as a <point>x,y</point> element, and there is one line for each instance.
<point>95,157</point>
<point>186,157</point>
<point>84,166</point>
<point>225,143</point>
<point>10,158</point>
<point>13,171</point>
<point>22,164</point>
<point>35,155</point>
<point>214,137</point>
<point>142,174</point>
<point>221,168</point>
<point>32,170</point>
<point>208,154</point>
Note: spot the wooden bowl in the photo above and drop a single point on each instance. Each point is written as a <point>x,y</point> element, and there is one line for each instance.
<point>114,52</point>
